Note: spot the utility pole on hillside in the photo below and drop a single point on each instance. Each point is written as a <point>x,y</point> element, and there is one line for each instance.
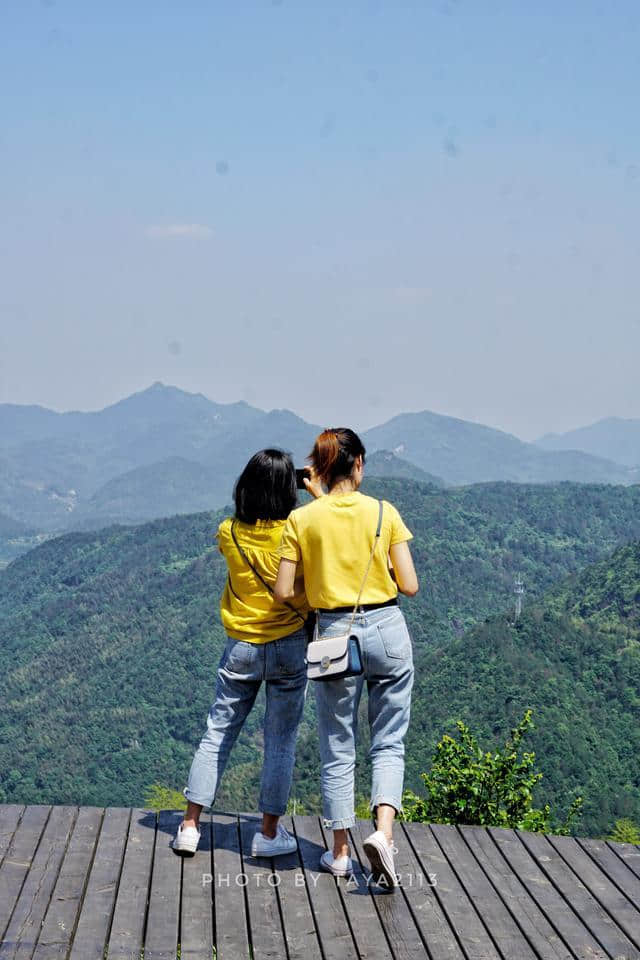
<point>518,589</point>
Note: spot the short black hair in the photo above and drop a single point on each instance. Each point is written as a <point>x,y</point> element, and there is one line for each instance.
<point>266,489</point>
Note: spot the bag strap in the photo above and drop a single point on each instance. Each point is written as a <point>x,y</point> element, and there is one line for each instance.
<point>366,574</point>
<point>259,575</point>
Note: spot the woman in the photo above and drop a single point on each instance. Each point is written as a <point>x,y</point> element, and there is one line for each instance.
<point>331,539</point>
<point>266,640</point>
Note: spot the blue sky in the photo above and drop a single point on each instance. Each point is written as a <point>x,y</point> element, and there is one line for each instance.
<point>347,209</point>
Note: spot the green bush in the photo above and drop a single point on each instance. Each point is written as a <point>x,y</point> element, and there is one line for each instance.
<point>159,797</point>
<point>625,831</point>
<point>467,785</point>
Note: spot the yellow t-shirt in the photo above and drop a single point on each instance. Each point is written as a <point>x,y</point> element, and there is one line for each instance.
<point>248,610</point>
<point>333,537</point>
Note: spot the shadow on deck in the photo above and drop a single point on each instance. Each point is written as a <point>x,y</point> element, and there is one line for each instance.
<point>87,883</point>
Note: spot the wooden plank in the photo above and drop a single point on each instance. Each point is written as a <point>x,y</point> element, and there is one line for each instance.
<point>333,929</point>
<point>64,908</point>
<point>129,856</point>
<point>19,855</point>
<point>565,920</point>
<point>24,927</point>
<point>460,910</point>
<point>196,916</point>
<point>358,901</point>
<point>265,924</point>
<point>297,917</point>
<point>10,814</point>
<point>602,927</point>
<point>421,896</point>
<point>532,921</point>
<point>96,910</point>
<point>163,917</point>
<point>400,930</point>
<point>629,853</point>
<point>615,868</point>
<point>500,925</point>
<point>231,930</point>
<point>621,913</point>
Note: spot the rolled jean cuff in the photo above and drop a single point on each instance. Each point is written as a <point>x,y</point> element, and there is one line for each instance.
<point>342,823</point>
<point>203,803</point>
<point>273,809</point>
<point>390,801</point>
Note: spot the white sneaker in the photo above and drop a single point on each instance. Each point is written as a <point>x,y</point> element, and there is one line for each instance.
<point>186,839</point>
<point>338,866</point>
<point>283,842</point>
<point>380,856</point>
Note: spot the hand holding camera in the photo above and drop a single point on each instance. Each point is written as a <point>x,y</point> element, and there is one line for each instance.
<point>306,479</point>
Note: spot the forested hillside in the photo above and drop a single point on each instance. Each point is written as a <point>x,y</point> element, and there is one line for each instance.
<point>15,538</point>
<point>109,642</point>
<point>574,658</point>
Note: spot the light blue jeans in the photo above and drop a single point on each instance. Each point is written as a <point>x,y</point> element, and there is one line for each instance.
<point>242,668</point>
<point>388,672</point>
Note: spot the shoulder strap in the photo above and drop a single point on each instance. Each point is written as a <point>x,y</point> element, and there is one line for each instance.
<point>373,550</point>
<point>258,574</point>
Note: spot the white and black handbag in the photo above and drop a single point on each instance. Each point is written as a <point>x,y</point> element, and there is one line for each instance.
<point>331,658</point>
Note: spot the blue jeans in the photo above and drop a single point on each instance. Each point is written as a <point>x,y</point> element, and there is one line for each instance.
<point>388,671</point>
<point>242,668</point>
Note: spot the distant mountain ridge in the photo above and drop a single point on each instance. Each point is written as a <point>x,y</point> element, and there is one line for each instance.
<point>384,463</point>
<point>462,452</point>
<point>164,449</point>
<point>613,438</point>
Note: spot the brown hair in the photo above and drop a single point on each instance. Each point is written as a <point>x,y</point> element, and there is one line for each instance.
<point>334,453</point>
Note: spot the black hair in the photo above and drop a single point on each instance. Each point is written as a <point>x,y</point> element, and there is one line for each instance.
<point>266,489</point>
<point>334,453</point>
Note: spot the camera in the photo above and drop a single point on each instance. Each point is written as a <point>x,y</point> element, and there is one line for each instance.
<point>300,475</point>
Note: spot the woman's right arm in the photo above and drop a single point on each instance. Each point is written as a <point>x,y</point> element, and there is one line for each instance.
<point>403,567</point>
<point>285,586</point>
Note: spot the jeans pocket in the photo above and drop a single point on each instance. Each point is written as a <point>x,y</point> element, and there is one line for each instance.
<point>395,637</point>
<point>290,653</point>
<point>238,655</point>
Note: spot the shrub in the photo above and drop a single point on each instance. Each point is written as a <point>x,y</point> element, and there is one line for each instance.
<point>467,785</point>
<point>625,831</point>
<point>159,797</point>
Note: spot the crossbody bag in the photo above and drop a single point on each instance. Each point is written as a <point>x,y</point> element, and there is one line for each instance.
<point>306,621</point>
<point>334,657</point>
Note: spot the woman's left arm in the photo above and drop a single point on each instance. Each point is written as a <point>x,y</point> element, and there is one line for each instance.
<point>405,572</point>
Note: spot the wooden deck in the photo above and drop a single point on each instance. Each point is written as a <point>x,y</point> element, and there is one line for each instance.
<point>87,883</point>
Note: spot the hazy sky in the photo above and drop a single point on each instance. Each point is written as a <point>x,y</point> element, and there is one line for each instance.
<point>350,209</point>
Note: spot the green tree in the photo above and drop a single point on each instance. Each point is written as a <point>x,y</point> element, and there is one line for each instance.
<point>467,785</point>
<point>159,797</point>
<point>625,831</point>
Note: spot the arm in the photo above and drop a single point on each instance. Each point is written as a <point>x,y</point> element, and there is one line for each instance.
<point>405,572</point>
<point>285,587</point>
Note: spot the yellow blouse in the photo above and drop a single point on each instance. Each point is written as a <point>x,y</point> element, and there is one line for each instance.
<point>248,610</point>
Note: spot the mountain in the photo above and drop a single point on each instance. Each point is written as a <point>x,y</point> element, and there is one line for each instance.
<point>461,452</point>
<point>137,415</point>
<point>15,538</point>
<point>109,640</point>
<point>384,463</point>
<point>574,658</point>
<point>53,465</point>
<point>61,471</point>
<point>612,438</point>
<point>11,528</point>
<point>173,485</point>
